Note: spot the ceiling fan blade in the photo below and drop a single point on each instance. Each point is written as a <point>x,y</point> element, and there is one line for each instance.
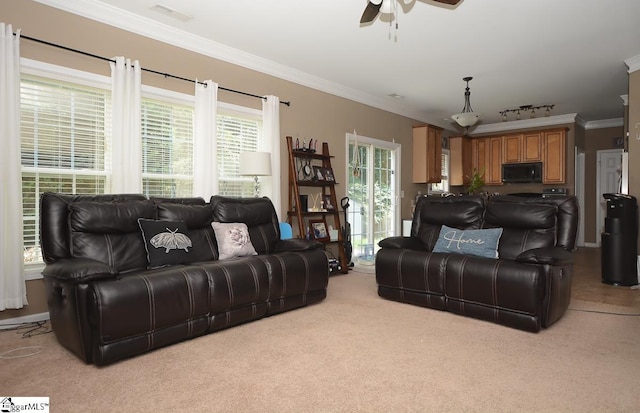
<point>451,2</point>
<point>370,12</point>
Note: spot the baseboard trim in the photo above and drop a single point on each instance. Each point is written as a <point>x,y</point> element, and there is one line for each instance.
<point>591,245</point>
<point>16,321</point>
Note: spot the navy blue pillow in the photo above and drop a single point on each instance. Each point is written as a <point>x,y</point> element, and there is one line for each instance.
<point>166,242</point>
<point>479,242</point>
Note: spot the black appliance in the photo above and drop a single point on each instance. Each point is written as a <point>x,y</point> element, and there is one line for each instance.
<point>620,240</point>
<point>554,192</point>
<point>522,173</point>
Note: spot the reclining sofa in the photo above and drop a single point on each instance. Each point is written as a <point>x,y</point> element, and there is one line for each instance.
<point>113,292</point>
<point>524,282</point>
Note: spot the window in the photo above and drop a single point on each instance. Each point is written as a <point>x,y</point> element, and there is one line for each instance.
<point>238,131</point>
<point>443,185</point>
<point>65,142</point>
<point>63,146</point>
<point>167,148</point>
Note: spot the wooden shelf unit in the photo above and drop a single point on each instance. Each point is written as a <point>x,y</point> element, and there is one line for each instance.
<point>327,188</point>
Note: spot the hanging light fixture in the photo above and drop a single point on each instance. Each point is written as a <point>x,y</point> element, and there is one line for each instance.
<point>526,108</point>
<point>467,117</point>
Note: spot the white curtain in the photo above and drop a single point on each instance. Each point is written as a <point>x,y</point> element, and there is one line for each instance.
<point>271,143</point>
<point>13,290</point>
<point>126,80</point>
<point>205,170</point>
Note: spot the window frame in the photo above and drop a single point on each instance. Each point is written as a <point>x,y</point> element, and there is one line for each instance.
<point>446,153</point>
<point>228,109</point>
<point>63,74</point>
<point>175,98</point>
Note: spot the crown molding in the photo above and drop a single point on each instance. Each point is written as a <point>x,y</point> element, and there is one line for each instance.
<point>633,63</point>
<point>604,123</point>
<point>122,19</point>
<point>526,124</point>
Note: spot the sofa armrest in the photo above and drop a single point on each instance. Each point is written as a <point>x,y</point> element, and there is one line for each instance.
<point>411,243</point>
<point>550,255</point>
<point>296,244</point>
<point>79,270</point>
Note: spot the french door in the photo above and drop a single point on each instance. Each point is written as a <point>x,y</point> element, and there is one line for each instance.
<point>373,174</point>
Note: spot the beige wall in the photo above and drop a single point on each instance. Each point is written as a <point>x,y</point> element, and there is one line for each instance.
<point>312,113</point>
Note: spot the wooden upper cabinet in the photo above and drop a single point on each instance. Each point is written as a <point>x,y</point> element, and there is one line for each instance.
<point>460,160</point>
<point>487,158</point>
<point>521,147</point>
<point>427,154</point>
<point>554,156</point>
<point>532,147</point>
<point>512,148</point>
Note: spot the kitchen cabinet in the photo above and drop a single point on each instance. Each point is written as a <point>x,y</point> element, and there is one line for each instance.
<point>554,156</point>
<point>427,154</point>
<point>532,147</point>
<point>460,160</point>
<point>522,147</point>
<point>487,158</point>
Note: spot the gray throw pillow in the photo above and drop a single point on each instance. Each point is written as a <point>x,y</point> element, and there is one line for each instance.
<point>479,242</point>
<point>233,240</point>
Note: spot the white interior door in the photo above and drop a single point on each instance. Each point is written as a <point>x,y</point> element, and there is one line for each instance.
<point>609,180</point>
<point>373,187</point>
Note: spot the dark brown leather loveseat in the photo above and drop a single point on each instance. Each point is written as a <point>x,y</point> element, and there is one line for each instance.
<point>527,287</point>
<point>106,303</point>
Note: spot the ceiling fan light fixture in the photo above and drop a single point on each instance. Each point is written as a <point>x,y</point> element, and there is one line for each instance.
<point>467,117</point>
<point>388,7</point>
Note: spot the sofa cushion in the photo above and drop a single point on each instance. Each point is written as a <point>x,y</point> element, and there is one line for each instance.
<point>479,242</point>
<point>166,242</point>
<point>257,213</point>
<point>108,232</point>
<point>198,220</point>
<point>233,240</point>
<point>526,226</point>
<point>432,212</point>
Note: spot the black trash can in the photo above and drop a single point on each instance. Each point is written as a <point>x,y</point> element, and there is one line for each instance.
<point>620,240</point>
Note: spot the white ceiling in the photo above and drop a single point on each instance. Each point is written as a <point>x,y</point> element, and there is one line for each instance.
<point>569,53</point>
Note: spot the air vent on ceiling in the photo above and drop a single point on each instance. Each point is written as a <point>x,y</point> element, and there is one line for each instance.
<point>171,12</point>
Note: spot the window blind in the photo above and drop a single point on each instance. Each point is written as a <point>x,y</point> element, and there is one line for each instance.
<point>167,149</point>
<point>63,146</point>
<point>236,133</point>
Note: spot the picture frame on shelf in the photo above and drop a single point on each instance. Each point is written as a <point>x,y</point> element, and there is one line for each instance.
<point>318,229</point>
<point>327,204</point>
<point>328,175</point>
<point>318,174</point>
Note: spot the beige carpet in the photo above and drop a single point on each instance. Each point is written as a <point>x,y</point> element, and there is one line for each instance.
<point>354,352</point>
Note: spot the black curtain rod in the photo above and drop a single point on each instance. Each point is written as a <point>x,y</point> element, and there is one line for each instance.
<point>33,39</point>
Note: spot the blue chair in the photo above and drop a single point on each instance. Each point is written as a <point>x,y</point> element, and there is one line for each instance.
<point>286,232</point>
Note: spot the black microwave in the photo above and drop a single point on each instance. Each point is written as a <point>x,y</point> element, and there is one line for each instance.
<point>522,173</point>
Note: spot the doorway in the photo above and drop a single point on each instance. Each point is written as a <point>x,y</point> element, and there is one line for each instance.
<point>580,193</point>
<point>373,174</point>
<point>608,181</point>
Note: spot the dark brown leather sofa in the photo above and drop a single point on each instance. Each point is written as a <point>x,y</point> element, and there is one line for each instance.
<point>105,303</point>
<point>528,287</point>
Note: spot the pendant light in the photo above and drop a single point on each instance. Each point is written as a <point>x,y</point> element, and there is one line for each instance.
<point>467,117</point>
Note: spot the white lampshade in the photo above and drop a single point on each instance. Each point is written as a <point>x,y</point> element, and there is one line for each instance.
<point>255,163</point>
<point>466,119</point>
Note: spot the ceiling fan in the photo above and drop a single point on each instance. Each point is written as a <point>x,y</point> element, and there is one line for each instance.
<point>374,7</point>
